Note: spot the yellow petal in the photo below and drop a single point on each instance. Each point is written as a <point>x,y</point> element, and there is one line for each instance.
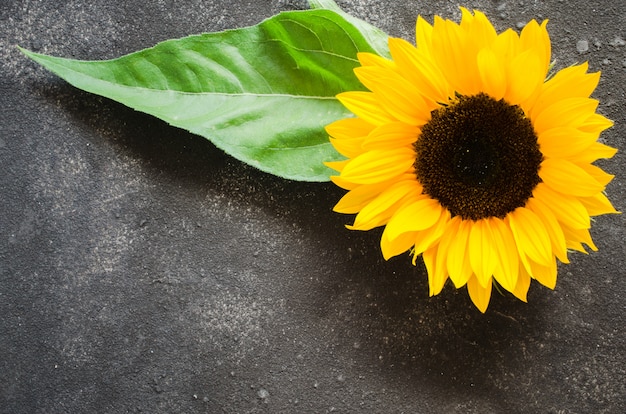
<point>378,211</point>
<point>546,275</point>
<point>399,245</point>
<point>571,82</point>
<point>420,214</point>
<point>536,38</point>
<point>525,75</point>
<point>479,294</point>
<point>506,45</point>
<point>418,68</point>
<point>572,112</point>
<point>366,106</point>
<point>349,148</point>
<point>567,209</point>
<point>598,174</point>
<point>392,135</point>
<point>356,199</point>
<point>563,142</point>
<point>492,72</point>
<point>557,238</point>
<point>595,123</point>
<point>478,28</point>
<point>349,128</point>
<point>522,285</point>
<point>430,236</point>
<point>568,178</point>
<point>457,242</point>
<point>531,237</point>
<point>508,263</point>
<point>482,254</point>
<point>595,152</point>
<point>370,59</point>
<point>455,57</point>
<point>575,237</point>
<point>598,204</point>
<point>337,166</point>
<point>423,35</point>
<point>340,182</point>
<point>377,166</point>
<point>435,265</point>
<point>398,96</point>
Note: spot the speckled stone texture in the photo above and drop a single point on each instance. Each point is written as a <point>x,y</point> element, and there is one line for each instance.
<point>142,270</point>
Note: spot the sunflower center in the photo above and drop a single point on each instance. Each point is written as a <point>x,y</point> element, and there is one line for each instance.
<point>478,157</point>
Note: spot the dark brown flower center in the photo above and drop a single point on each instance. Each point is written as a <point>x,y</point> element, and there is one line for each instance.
<point>478,157</point>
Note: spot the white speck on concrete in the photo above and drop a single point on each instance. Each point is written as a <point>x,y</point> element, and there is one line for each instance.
<point>263,394</point>
<point>582,46</point>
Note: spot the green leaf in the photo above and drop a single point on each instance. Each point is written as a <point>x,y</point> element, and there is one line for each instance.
<point>263,94</point>
<point>325,4</point>
<point>373,35</point>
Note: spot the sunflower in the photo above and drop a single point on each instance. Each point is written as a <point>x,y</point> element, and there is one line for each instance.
<point>472,157</point>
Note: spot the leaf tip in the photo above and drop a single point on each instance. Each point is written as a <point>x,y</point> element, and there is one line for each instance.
<point>28,53</point>
<point>324,4</point>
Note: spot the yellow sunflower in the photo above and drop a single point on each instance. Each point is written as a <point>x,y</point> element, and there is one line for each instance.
<point>472,157</point>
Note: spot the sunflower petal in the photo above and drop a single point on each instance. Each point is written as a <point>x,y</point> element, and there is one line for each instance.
<point>535,37</point>
<point>507,268</point>
<point>370,59</point>
<point>571,82</point>
<point>399,245</point>
<point>435,265</point>
<point>563,142</point>
<point>392,135</point>
<point>506,45</point>
<point>399,97</point>
<point>338,166</point>
<point>525,74</point>
<point>546,275</point>
<point>348,147</point>
<point>572,112</point>
<point>378,211</point>
<point>378,165</point>
<point>567,209</point>
<point>366,106</point>
<point>349,128</point>
<point>598,204</point>
<point>458,260</point>
<point>451,51</point>
<point>492,73</point>
<point>479,294</point>
<point>358,198</point>
<point>478,28</point>
<point>482,252</point>
<point>522,285</point>
<point>568,178</point>
<point>576,237</point>
<point>533,241</point>
<point>595,152</point>
<point>598,174</point>
<point>418,68</point>
<point>430,236</point>
<point>417,215</point>
<point>423,35</point>
<point>557,238</point>
<point>595,123</point>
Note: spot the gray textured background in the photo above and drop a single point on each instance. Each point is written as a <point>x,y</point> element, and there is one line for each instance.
<point>142,270</point>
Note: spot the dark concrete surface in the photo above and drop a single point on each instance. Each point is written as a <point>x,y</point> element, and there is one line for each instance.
<point>142,270</point>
